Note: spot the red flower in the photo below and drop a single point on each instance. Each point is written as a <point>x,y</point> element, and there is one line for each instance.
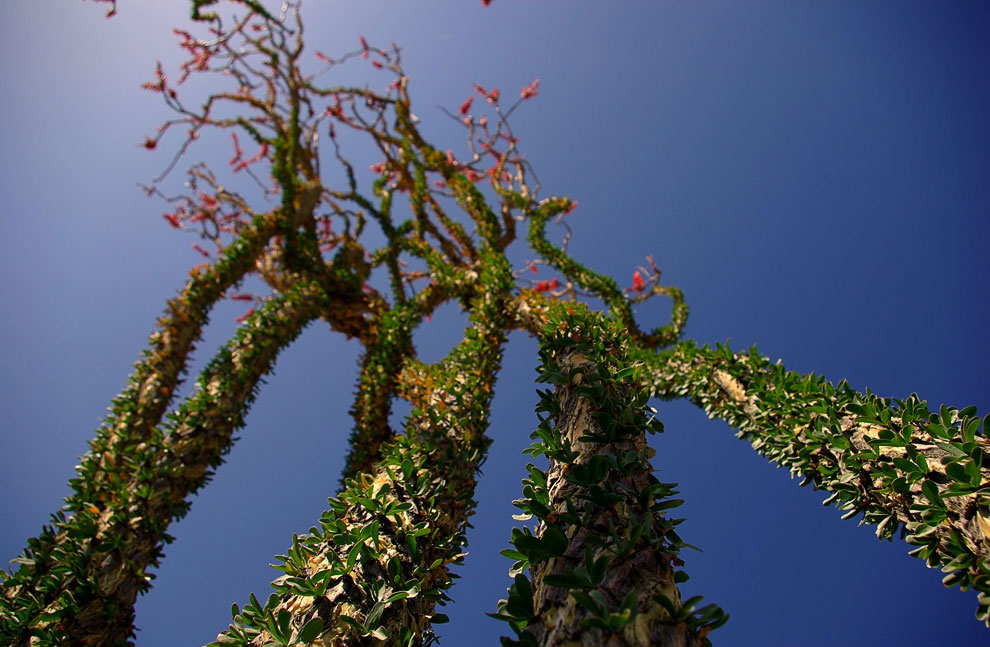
<point>638,283</point>
<point>533,268</point>
<point>492,97</point>
<point>241,296</point>
<point>542,286</point>
<point>554,283</point>
<point>201,250</point>
<point>150,143</point>
<point>466,106</point>
<point>377,64</point>
<point>244,316</point>
<point>530,90</point>
<point>172,219</point>
<point>364,47</point>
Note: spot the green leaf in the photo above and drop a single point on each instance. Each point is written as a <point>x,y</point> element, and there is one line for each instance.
<point>930,490</point>
<point>398,595</point>
<point>906,466</point>
<point>413,549</point>
<point>666,603</point>
<point>394,568</point>
<point>374,616</point>
<point>352,622</point>
<point>957,472</point>
<point>840,442</point>
<point>284,618</point>
<point>310,631</point>
<point>973,469</point>
<point>353,555</point>
<point>584,600</point>
<point>689,604</point>
<point>554,541</point>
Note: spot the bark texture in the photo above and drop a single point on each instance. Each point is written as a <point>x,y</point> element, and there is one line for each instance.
<point>643,569</point>
<point>603,560</point>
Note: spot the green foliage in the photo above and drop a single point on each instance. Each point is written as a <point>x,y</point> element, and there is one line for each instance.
<point>908,470</point>
<point>376,566</point>
<point>614,509</point>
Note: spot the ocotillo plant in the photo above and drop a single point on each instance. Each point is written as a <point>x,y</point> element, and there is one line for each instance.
<point>603,565</point>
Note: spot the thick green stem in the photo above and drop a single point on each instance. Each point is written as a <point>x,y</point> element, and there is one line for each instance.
<point>602,560</point>
<point>78,580</point>
<point>898,463</point>
<point>375,568</point>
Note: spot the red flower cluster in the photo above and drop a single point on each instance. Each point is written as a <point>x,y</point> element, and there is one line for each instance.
<point>199,51</point>
<point>530,90</point>
<point>208,201</point>
<point>544,286</point>
<point>244,316</point>
<point>638,284</point>
<point>490,97</point>
<point>161,82</point>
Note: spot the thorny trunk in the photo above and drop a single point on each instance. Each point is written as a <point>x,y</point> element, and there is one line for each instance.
<point>92,565</point>
<point>633,568</point>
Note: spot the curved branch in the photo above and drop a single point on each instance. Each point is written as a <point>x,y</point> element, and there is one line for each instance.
<point>377,565</point>
<point>898,463</point>
<point>79,579</point>
<point>604,287</point>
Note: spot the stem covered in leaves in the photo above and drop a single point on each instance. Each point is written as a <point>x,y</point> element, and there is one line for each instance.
<point>603,557</point>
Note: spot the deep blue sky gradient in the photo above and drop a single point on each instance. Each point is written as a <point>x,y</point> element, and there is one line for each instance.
<point>812,175</point>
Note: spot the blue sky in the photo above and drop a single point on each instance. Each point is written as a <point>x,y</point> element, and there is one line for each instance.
<point>812,175</point>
